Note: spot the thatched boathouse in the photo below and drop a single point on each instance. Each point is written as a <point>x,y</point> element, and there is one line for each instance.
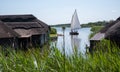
<point>27,30</point>
<point>111,32</point>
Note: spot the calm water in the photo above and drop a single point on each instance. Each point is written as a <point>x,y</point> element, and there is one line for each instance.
<point>73,41</point>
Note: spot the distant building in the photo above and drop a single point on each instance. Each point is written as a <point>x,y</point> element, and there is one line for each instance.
<point>23,31</point>
<point>111,32</point>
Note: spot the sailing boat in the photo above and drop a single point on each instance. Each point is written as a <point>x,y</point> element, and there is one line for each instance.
<point>75,24</point>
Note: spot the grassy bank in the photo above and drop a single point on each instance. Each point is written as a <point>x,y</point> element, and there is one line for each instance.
<point>95,29</point>
<point>105,59</point>
<point>53,35</point>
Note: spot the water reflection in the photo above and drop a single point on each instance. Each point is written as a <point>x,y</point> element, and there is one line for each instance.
<point>75,43</point>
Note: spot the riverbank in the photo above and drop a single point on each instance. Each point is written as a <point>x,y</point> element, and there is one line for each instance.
<point>53,37</point>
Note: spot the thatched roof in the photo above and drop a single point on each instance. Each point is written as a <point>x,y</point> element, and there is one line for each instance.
<point>30,32</point>
<point>108,25</point>
<point>118,19</point>
<point>42,23</point>
<point>25,25</point>
<point>6,32</point>
<point>98,36</point>
<point>17,18</point>
<point>113,32</point>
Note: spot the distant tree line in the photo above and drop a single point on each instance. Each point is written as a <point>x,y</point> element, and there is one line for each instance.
<point>90,24</point>
<point>61,25</point>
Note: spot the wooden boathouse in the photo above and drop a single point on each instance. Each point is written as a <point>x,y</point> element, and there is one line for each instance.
<point>25,30</point>
<point>111,32</point>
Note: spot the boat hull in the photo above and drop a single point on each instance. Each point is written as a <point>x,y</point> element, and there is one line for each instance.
<point>74,33</point>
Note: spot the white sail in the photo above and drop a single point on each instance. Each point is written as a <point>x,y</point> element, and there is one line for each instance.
<point>75,24</point>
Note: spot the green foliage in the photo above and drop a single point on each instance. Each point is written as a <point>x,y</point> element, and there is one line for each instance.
<point>90,24</point>
<point>94,30</point>
<point>104,59</point>
<point>53,31</point>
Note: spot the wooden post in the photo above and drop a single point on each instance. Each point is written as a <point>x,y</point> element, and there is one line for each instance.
<point>30,41</point>
<point>63,28</point>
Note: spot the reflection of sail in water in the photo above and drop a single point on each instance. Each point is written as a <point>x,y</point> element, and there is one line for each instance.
<point>75,42</point>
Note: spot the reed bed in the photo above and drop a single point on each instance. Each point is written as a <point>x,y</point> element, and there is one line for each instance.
<point>106,58</point>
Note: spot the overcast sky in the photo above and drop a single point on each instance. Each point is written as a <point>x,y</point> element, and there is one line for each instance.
<point>61,11</point>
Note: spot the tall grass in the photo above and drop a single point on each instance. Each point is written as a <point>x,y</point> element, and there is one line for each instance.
<point>106,58</point>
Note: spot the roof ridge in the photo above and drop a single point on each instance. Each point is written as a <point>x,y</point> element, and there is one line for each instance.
<point>18,15</point>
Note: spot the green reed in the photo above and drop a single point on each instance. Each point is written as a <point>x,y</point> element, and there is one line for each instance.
<point>106,58</point>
